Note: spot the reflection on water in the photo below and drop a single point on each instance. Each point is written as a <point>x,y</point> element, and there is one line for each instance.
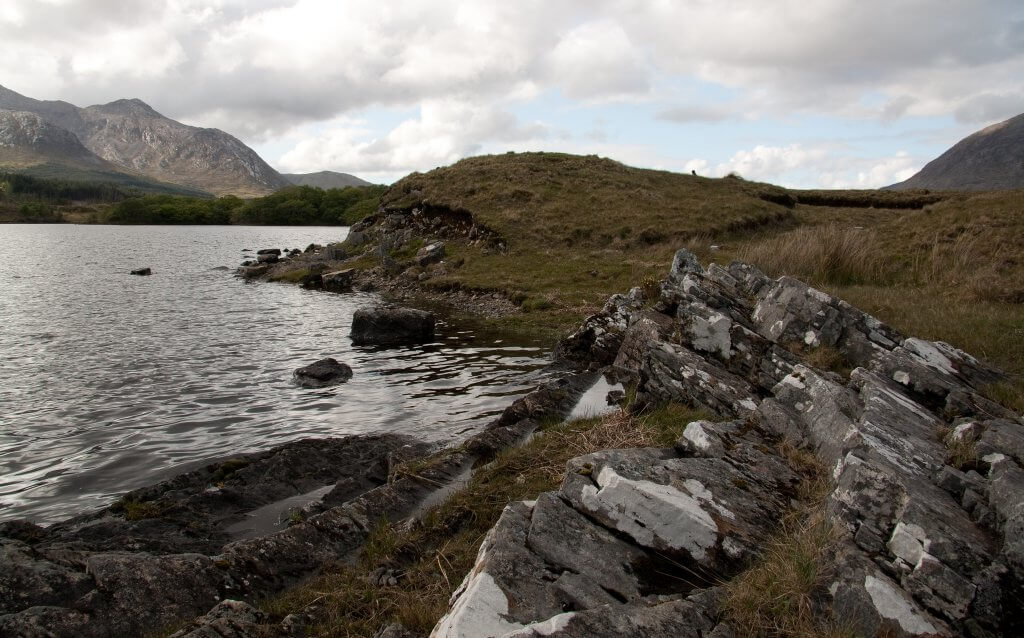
<point>109,381</point>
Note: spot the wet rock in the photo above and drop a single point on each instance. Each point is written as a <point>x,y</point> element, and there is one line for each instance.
<point>382,325</point>
<point>269,251</point>
<point>339,280</point>
<point>268,258</point>
<point>251,272</point>
<point>324,372</point>
<point>142,271</point>
<point>430,254</point>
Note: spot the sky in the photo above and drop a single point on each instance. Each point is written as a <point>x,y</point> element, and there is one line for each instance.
<point>802,93</point>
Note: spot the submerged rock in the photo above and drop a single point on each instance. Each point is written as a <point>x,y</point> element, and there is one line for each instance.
<point>381,325</point>
<point>324,372</point>
<point>142,271</point>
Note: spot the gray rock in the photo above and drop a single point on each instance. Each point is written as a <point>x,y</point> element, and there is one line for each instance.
<point>229,619</point>
<point>430,254</point>
<point>324,372</point>
<point>269,251</point>
<point>339,280</point>
<point>392,326</point>
<point>267,258</point>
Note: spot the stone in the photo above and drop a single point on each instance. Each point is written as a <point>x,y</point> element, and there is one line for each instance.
<point>339,280</point>
<point>142,271</point>
<point>325,372</point>
<point>430,254</point>
<point>269,251</point>
<point>228,619</point>
<point>268,258</point>
<point>382,325</point>
<point>335,252</point>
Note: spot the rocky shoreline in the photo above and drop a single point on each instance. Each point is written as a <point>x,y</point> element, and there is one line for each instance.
<point>923,487</point>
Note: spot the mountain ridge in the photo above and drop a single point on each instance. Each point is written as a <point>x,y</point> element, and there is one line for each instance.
<point>133,136</point>
<point>989,159</point>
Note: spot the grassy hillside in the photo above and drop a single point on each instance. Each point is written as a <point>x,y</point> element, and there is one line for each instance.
<point>575,229</point>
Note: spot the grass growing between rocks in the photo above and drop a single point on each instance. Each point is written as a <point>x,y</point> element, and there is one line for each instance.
<point>780,594</point>
<point>436,553</point>
<point>953,271</point>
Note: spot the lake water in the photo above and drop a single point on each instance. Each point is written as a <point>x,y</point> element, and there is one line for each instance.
<point>109,381</point>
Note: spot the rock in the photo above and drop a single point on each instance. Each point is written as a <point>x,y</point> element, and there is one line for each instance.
<point>323,373</point>
<point>267,258</point>
<point>269,251</point>
<point>229,619</point>
<point>335,252</point>
<point>430,254</point>
<point>251,272</point>
<point>312,248</point>
<point>339,280</point>
<point>142,271</point>
<point>382,325</point>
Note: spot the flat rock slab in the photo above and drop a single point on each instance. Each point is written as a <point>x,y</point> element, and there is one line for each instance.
<point>382,325</point>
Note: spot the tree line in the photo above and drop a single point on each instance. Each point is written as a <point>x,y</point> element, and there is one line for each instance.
<point>26,198</point>
<point>289,206</point>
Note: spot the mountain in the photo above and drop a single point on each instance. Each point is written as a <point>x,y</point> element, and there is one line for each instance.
<point>31,145</point>
<point>133,137</point>
<point>325,179</point>
<point>31,135</point>
<point>991,159</point>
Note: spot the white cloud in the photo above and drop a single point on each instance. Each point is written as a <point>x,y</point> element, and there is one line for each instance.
<point>768,163</point>
<point>444,132</point>
<point>822,166</point>
<point>598,60</point>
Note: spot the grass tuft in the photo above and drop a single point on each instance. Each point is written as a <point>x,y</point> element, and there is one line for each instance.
<point>780,595</point>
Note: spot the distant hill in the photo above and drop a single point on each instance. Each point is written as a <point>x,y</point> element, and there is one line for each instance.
<point>991,159</point>
<point>131,136</point>
<point>325,179</point>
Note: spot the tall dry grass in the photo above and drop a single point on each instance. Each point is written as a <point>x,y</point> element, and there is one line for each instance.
<point>836,255</point>
<point>827,254</point>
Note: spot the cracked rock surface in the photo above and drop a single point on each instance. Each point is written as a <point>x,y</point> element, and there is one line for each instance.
<point>927,499</point>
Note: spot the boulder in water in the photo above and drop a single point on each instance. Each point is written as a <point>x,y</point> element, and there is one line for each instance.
<point>142,271</point>
<point>323,373</point>
<point>383,325</point>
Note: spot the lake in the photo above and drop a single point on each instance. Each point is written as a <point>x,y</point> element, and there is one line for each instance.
<point>109,382</point>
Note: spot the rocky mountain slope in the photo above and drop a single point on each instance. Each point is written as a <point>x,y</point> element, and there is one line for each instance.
<point>991,159</point>
<point>136,138</point>
<point>30,133</point>
<point>325,179</point>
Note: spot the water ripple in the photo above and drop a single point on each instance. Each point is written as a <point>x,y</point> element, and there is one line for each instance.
<point>109,382</point>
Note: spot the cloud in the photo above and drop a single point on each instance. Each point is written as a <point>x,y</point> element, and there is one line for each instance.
<point>444,132</point>
<point>823,166</point>
<point>697,113</point>
<point>267,70</point>
<point>766,163</point>
<point>989,107</point>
